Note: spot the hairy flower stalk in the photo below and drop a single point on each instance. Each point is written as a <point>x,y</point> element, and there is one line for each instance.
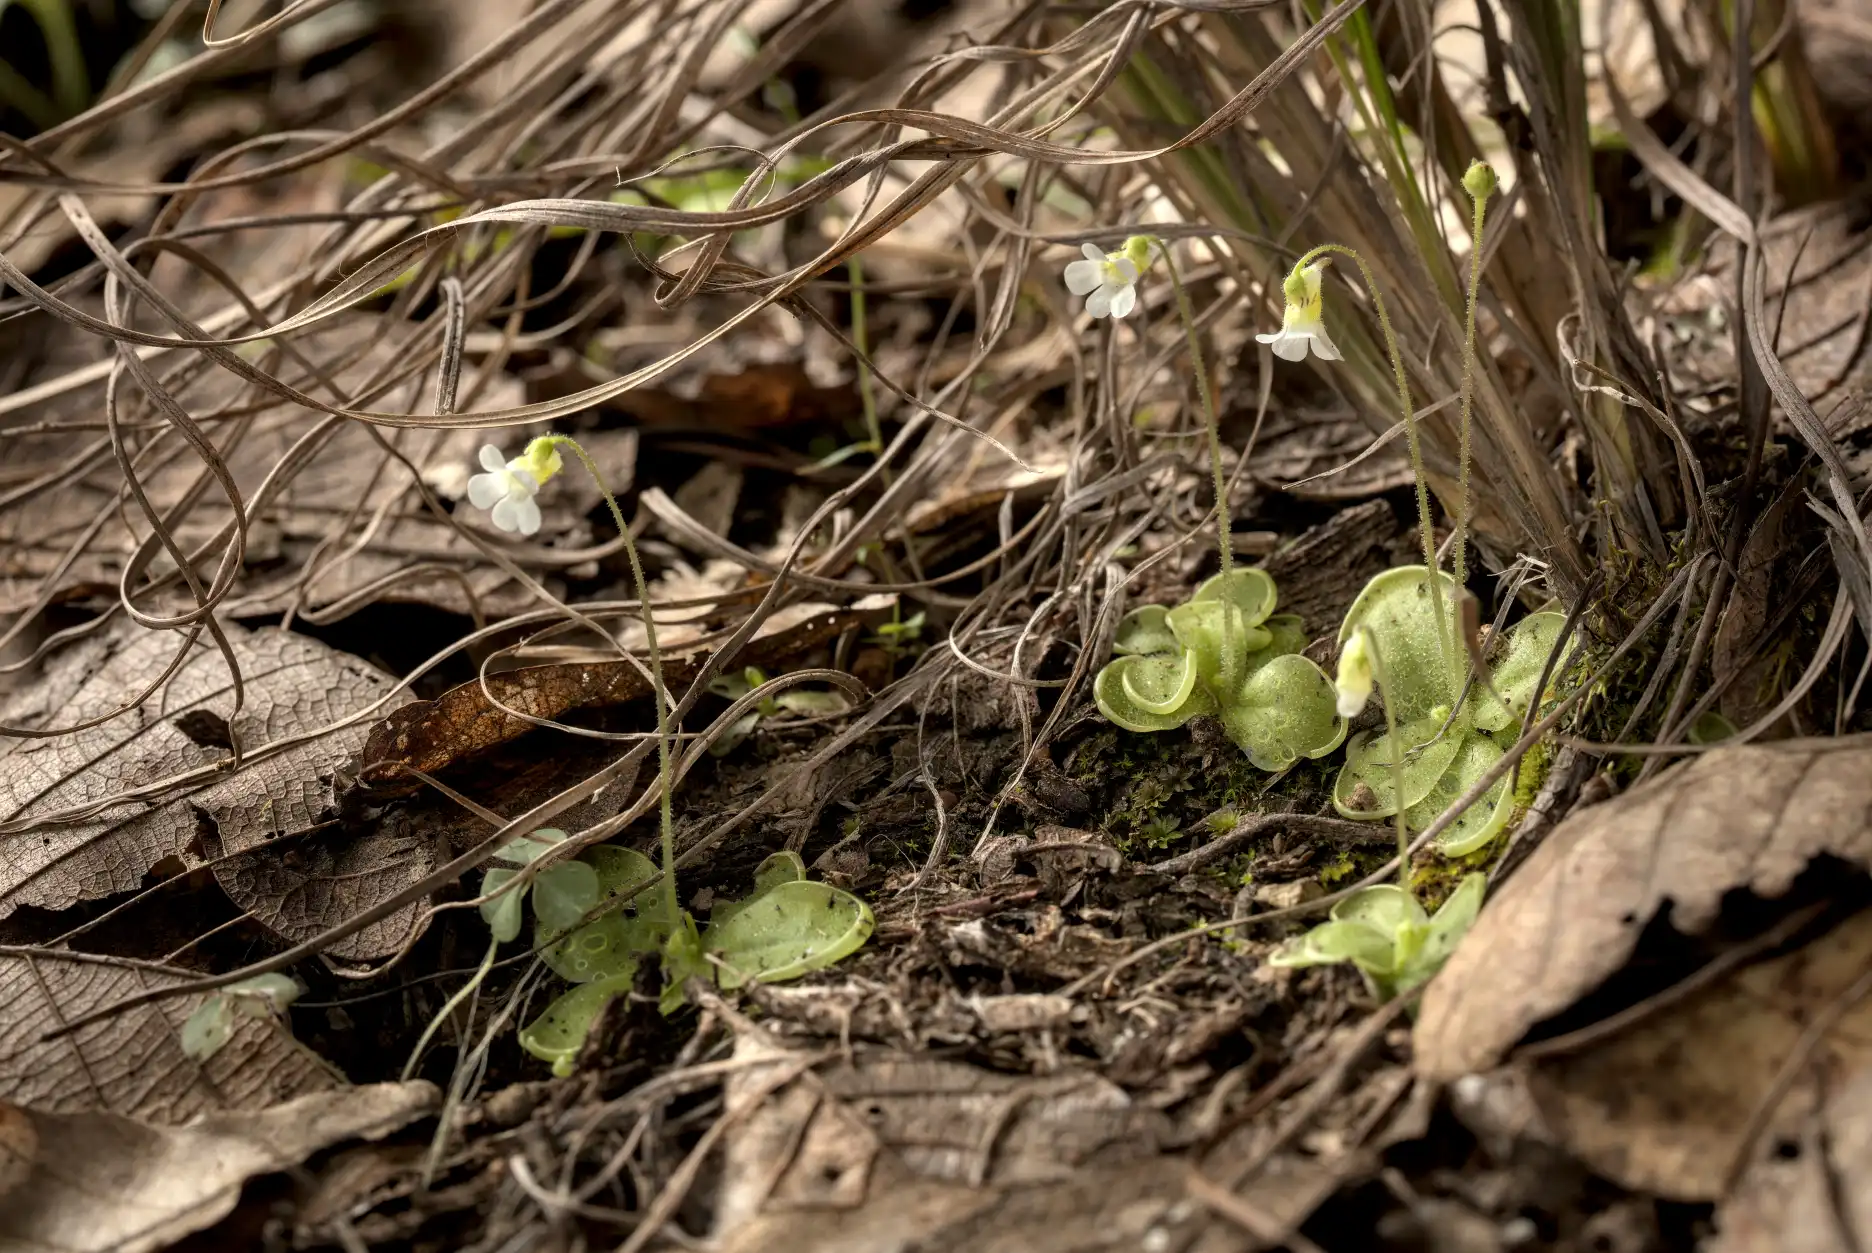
<point>544,451</point>
<point>1359,665</point>
<point>1303,321</point>
<point>1479,182</point>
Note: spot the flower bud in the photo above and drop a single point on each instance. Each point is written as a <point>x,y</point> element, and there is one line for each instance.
<point>1295,290</point>
<point>541,458</point>
<point>1479,182</point>
<point>1354,684</point>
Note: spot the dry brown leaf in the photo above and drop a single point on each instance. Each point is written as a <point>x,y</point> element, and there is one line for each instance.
<point>294,685</point>
<point>1750,817</point>
<point>898,1150</point>
<point>1707,1064</point>
<point>461,723</point>
<point>115,1185</point>
<point>1813,1194</point>
<point>131,1063</point>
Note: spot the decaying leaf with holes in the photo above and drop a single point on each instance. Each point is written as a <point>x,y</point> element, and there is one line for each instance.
<point>90,814</point>
<point>461,723</point>
<point>133,1063</point>
<point>1709,1063</point>
<point>1750,818</point>
<point>1713,1099</point>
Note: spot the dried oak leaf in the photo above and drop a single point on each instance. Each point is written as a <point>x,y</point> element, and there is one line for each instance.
<point>67,831</point>
<point>1708,1063</point>
<point>461,723</point>
<point>116,1185</point>
<point>130,1063</point>
<point>1750,817</point>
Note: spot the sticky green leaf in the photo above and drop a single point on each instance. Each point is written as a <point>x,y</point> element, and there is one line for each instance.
<point>1144,630</point>
<point>564,893</point>
<point>1285,711</point>
<point>1710,727</point>
<point>1368,763</point>
<point>1160,684</point>
<point>784,866</point>
<point>529,849</point>
<point>787,931</point>
<point>683,959</point>
<point>1332,943</point>
<point>1396,607</point>
<point>602,947</point>
<point>1220,637</point>
<point>1286,634</point>
<point>1477,824</point>
<point>812,702</point>
<point>1249,588</point>
<point>559,1032</point>
<point>1530,641</point>
<point>620,871</point>
<point>1448,927</point>
<point>209,1028</point>
<point>1385,906</point>
<point>501,913</point>
<point>1117,706</point>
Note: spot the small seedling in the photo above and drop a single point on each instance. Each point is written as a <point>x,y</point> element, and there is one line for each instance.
<point>785,929</point>
<point>804,701</point>
<point>1445,725</point>
<point>1225,653</point>
<point>1383,931</point>
<point>211,1026</point>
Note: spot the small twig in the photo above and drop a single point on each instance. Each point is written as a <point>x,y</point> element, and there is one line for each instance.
<point>1250,829</point>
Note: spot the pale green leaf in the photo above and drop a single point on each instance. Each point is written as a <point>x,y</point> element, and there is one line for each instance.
<point>1530,641</point>
<point>270,993</point>
<point>1397,608</point>
<point>559,1032</point>
<point>788,931</point>
<point>1369,758</point>
<point>1445,931</point>
<point>812,701</point>
<point>209,1028</point>
<point>1221,638</point>
<point>1481,821</point>
<point>1285,711</point>
<point>1160,684</point>
<point>601,948</point>
<point>1334,942</point>
<point>1144,630</point>
<point>1383,906</point>
<point>784,866</point>
<point>1286,634</point>
<point>563,893</point>
<point>502,912</point>
<point>620,871</point>
<point>1109,691</point>
<point>1249,588</point>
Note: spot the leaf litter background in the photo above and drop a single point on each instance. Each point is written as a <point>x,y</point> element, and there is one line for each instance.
<point>1010,1063</point>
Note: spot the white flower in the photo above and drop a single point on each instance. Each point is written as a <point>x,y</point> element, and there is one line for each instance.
<point>508,488</point>
<point>1301,325</point>
<point>1108,281</point>
<point>1354,684</point>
